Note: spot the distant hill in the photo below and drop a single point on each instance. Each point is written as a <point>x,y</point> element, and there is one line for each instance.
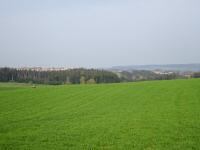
<point>169,67</point>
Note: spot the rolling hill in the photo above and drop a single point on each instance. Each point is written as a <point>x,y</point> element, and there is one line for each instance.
<point>168,67</point>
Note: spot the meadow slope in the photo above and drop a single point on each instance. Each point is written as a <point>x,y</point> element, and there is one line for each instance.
<point>143,115</point>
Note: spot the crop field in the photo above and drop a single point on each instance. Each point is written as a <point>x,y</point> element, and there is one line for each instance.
<point>144,115</point>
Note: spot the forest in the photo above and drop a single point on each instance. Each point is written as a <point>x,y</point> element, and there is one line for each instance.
<point>70,76</point>
<point>83,76</point>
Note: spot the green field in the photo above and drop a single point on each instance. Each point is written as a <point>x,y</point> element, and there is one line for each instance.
<point>144,115</point>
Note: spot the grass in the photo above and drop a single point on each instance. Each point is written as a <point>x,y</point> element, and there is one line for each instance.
<point>144,115</point>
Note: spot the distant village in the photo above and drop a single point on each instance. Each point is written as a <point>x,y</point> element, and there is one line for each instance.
<point>44,69</point>
<point>186,74</point>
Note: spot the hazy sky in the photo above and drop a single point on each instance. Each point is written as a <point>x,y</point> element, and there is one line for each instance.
<point>98,33</point>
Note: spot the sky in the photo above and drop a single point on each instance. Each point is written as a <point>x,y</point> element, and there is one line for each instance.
<point>98,33</point>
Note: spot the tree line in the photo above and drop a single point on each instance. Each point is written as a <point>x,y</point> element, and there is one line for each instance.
<point>196,75</point>
<point>82,76</point>
<point>143,75</point>
<point>70,76</point>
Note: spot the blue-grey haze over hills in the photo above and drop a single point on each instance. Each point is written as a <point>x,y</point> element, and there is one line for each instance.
<point>99,33</point>
<point>166,67</point>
